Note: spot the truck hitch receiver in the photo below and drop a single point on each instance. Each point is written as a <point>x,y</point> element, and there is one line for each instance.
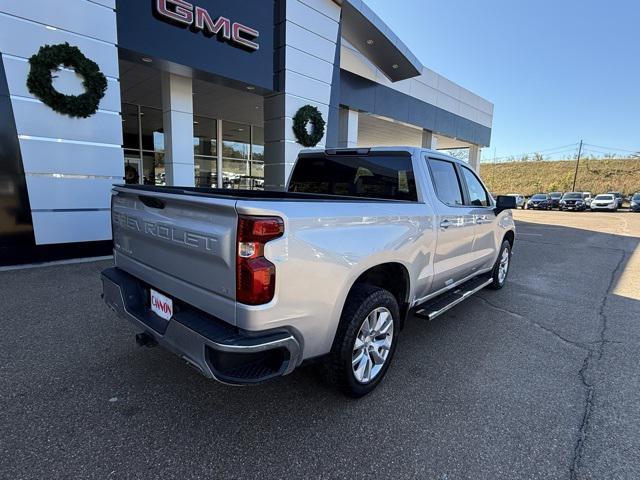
<point>145,340</point>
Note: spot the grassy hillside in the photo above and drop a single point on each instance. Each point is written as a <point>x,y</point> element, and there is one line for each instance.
<point>595,176</point>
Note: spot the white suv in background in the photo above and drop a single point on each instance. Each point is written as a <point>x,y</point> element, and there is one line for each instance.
<point>607,201</point>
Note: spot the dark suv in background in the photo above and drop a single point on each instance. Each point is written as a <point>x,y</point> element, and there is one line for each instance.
<point>540,201</point>
<point>555,199</point>
<point>635,202</point>
<point>573,201</point>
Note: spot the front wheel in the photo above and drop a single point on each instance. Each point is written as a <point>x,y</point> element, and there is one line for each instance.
<point>501,267</point>
<point>365,341</point>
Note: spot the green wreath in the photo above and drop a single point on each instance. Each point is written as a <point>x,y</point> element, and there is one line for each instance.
<point>307,114</point>
<point>40,81</point>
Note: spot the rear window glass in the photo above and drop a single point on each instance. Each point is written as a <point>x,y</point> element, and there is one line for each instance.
<point>371,176</point>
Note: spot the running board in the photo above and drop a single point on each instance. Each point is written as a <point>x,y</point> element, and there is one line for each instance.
<point>447,301</point>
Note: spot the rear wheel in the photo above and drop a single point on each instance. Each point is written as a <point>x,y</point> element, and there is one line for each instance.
<point>501,267</point>
<point>365,341</point>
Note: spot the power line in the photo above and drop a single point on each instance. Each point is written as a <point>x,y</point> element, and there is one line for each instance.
<point>614,149</point>
<point>605,153</point>
<point>548,151</point>
<point>595,149</point>
<point>517,158</point>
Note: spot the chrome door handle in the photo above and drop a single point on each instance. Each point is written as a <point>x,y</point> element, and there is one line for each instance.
<point>444,224</point>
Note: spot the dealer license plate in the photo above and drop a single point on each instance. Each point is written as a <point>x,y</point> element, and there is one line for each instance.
<point>161,305</point>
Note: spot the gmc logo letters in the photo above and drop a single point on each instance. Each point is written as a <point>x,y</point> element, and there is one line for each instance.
<point>184,13</point>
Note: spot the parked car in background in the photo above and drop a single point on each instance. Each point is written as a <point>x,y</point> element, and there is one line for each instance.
<point>605,201</point>
<point>635,202</point>
<point>540,201</point>
<point>520,200</point>
<point>618,196</point>
<point>555,199</point>
<point>573,201</point>
<point>587,198</point>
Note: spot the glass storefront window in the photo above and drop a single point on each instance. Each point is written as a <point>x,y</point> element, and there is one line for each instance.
<point>257,175</point>
<point>142,126</point>
<point>153,168</point>
<point>205,172</point>
<point>234,173</point>
<point>236,139</point>
<point>204,137</point>
<point>152,129</point>
<point>132,167</point>
<point>257,147</point>
<point>205,150</point>
<point>130,127</point>
<point>242,150</point>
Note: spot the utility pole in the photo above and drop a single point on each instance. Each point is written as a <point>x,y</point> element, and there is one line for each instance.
<point>575,175</point>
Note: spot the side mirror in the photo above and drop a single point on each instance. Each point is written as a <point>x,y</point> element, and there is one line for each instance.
<point>504,202</point>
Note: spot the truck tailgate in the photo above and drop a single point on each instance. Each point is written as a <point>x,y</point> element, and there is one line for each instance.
<point>182,245</point>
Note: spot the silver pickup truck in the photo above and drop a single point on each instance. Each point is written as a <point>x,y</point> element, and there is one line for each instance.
<point>246,285</point>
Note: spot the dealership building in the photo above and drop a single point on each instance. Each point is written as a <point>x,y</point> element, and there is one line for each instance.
<point>201,93</point>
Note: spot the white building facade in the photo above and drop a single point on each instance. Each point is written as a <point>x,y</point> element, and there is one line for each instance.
<point>200,93</point>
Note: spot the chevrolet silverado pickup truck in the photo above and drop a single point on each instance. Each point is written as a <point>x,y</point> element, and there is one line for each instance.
<point>247,285</point>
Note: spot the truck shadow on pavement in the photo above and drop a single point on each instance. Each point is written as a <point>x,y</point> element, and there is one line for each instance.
<point>538,380</point>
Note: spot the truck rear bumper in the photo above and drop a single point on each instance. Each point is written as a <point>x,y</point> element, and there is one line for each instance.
<point>215,348</point>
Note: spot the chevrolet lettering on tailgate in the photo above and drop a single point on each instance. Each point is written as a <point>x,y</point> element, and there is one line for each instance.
<point>166,232</point>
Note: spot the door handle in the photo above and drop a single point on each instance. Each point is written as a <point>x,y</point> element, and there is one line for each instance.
<point>482,220</point>
<point>444,224</point>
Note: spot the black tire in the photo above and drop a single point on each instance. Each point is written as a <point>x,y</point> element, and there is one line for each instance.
<point>496,283</point>
<point>362,301</point>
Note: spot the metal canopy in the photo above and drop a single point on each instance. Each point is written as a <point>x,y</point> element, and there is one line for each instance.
<point>375,40</point>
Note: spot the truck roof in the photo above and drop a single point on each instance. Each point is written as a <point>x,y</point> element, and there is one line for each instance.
<point>365,150</point>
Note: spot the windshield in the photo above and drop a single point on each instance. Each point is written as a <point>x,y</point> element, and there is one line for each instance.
<point>604,197</point>
<point>573,196</point>
<point>539,197</point>
<point>555,195</point>
<point>636,197</point>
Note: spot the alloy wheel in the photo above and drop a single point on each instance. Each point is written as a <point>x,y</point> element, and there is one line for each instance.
<point>503,268</point>
<point>372,345</point>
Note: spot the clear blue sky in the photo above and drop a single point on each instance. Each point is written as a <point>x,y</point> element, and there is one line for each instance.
<point>557,70</point>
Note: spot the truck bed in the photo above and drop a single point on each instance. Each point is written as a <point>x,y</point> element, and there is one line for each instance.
<point>253,194</point>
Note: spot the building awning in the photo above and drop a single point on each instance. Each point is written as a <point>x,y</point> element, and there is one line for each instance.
<point>375,40</point>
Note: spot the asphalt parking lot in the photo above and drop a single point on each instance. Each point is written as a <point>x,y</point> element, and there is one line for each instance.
<point>538,380</point>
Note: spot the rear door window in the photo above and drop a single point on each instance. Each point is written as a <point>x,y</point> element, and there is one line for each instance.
<point>376,175</point>
<point>446,182</point>
<point>477,195</point>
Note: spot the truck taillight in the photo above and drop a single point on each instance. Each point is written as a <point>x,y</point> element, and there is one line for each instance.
<point>255,275</point>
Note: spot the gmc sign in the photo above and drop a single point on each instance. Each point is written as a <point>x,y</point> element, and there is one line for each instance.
<point>198,19</point>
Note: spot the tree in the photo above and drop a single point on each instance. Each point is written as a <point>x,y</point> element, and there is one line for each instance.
<point>538,157</point>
